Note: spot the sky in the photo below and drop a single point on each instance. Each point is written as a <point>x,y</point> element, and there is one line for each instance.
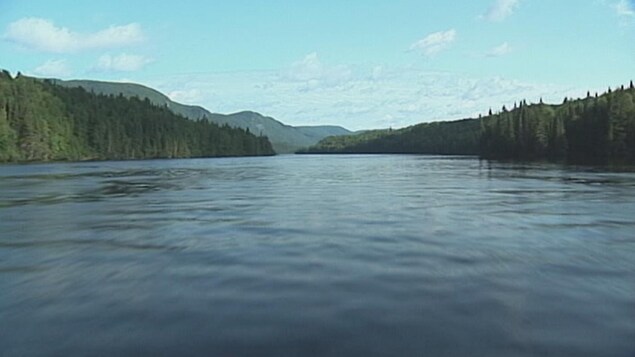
<point>361,64</point>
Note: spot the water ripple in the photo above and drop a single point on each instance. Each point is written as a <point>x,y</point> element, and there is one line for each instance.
<point>324,255</point>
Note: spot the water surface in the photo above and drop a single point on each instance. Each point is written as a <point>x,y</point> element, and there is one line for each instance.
<point>316,256</point>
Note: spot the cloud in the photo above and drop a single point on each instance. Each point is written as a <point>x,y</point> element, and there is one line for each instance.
<point>500,10</point>
<point>122,63</point>
<point>315,75</point>
<point>307,69</point>
<point>44,36</point>
<point>625,8</point>
<point>434,43</point>
<point>186,96</point>
<point>54,68</point>
<point>378,72</point>
<point>499,51</point>
<point>369,98</point>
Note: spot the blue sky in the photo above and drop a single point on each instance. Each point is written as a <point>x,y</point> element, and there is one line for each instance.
<point>358,63</point>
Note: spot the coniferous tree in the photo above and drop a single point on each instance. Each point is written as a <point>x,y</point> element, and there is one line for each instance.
<point>40,121</point>
<point>585,130</point>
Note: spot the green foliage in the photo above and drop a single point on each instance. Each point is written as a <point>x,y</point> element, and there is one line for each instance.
<point>346,143</point>
<point>284,138</point>
<point>460,137</point>
<point>599,128</point>
<point>594,129</point>
<point>41,121</point>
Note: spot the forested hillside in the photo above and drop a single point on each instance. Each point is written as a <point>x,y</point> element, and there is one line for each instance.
<point>284,138</point>
<point>41,121</point>
<point>449,138</point>
<point>596,128</point>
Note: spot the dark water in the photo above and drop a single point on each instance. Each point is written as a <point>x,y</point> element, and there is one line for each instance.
<point>316,256</point>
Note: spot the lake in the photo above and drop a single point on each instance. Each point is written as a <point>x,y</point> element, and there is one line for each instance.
<point>317,256</point>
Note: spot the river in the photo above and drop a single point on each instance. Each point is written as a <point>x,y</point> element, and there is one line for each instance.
<point>317,256</point>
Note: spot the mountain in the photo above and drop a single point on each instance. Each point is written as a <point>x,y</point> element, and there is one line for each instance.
<point>284,138</point>
<point>595,129</point>
<point>41,121</point>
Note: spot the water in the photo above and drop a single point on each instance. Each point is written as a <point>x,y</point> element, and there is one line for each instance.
<point>316,256</point>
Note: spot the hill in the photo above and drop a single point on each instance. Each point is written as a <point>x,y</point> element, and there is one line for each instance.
<point>597,128</point>
<point>284,138</point>
<point>42,121</point>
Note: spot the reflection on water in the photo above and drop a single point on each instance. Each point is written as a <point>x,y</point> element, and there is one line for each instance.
<point>323,255</point>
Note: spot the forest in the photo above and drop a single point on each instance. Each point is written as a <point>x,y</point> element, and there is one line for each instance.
<point>597,128</point>
<point>41,121</point>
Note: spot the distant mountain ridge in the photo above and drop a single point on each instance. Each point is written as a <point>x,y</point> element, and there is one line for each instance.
<point>284,138</point>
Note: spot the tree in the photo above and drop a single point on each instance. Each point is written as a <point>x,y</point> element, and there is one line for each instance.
<point>40,121</point>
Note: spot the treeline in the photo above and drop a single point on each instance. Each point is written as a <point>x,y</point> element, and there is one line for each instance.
<point>446,138</point>
<point>593,129</point>
<point>40,121</point>
<point>596,128</point>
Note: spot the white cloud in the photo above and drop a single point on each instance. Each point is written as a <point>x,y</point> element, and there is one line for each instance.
<point>43,35</point>
<point>395,97</point>
<point>54,68</point>
<point>378,73</point>
<point>186,96</point>
<point>500,10</point>
<point>499,51</point>
<point>625,8</point>
<point>434,43</point>
<point>122,63</point>
<point>308,68</point>
<point>315,75</point>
